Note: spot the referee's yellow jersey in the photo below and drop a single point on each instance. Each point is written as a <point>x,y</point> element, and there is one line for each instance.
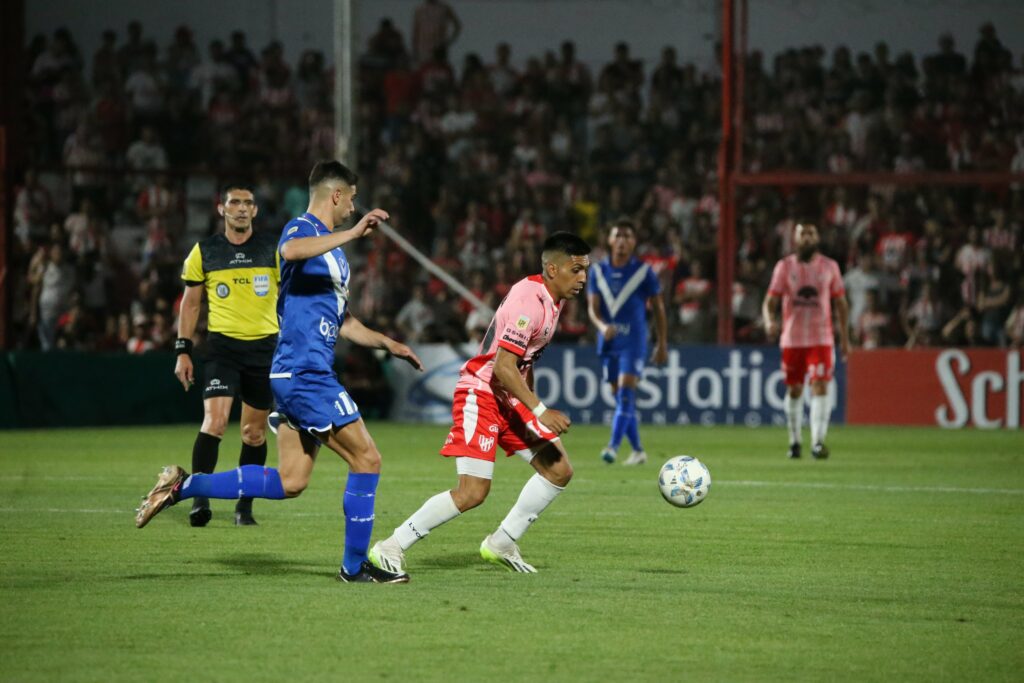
<point>241,282</point>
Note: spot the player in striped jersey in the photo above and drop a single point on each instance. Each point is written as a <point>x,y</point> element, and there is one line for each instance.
<point>619,291</point>
<point>807,283</point>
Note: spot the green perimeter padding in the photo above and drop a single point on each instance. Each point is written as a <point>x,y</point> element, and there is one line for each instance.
<point>71,389</point>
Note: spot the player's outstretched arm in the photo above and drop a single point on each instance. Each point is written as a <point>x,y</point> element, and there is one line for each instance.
<point>302,248</point>
<point>358,333</point>
<point>506,371</point>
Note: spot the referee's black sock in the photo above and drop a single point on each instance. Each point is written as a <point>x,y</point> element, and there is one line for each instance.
<point>204,453</point>
<point>251,455</point>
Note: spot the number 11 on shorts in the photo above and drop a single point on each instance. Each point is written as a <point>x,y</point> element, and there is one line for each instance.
<point>345,405</point>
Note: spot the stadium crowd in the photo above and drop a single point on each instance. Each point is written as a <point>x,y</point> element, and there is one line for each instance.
<point>477,163</point>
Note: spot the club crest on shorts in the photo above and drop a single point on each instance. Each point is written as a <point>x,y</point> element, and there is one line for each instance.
<point>523,322</point>
<point>486,442</point>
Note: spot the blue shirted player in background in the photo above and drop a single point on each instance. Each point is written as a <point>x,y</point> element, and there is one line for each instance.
<point>313,407</point>
<point>618,291</point>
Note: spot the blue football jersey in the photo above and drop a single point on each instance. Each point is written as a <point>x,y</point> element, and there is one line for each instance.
<point>623,293</point>
<point>311,304</point>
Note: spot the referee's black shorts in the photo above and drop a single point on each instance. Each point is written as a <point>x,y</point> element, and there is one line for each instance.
<point>235,366</point>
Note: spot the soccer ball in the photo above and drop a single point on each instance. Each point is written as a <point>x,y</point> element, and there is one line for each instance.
<point>684,481</point>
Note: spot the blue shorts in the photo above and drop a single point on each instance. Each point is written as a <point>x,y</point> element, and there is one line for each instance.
<point>627,361</point>
<point>313,402</point>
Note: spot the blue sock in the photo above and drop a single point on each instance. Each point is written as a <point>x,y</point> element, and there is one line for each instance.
<point>360,494</point>
<point>624,400</point>
<point>249,481</point>
<point>633,432</point>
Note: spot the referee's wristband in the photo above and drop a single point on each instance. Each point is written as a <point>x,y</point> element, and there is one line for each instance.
<point>183,346</point>
<point>539,409</point>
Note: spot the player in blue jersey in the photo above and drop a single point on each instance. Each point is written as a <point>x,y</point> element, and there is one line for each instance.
<point>619,290</point>
<point>313,407</point>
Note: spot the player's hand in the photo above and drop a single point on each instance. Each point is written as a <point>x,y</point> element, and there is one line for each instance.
<point>771,329</point>
<point>555,420</point>
<point>609,332</point>
<point>399,350</point>
<point>661,354</point>
<point>183,370</point>
<point>368,222</point>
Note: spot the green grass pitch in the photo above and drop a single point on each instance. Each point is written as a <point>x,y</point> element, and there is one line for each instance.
<point>901,558</point>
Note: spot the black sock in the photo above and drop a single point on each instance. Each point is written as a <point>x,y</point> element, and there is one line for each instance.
<point>204,453</point>
<point>251,455</point>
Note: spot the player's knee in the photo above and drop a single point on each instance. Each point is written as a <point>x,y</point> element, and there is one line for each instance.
<point>293,486</point>
<point>561,475</point>
<point>254,434</point>
<point>215,425</point>
<point>367,460</point>
<point>467,497</point>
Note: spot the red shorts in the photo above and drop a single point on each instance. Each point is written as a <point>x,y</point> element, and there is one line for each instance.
<point>480,423</point>
<point>808,362</point>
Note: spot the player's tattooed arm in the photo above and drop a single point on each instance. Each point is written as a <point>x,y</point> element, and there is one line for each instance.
<point>358,333</point>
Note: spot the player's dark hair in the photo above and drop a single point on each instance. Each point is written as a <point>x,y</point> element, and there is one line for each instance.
<point>566,243</point>
<point>235,185</point>
<point>332,170</point>
<point>623,223</point>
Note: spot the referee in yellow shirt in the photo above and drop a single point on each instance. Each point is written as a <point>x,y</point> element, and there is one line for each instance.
<point>238,270</point>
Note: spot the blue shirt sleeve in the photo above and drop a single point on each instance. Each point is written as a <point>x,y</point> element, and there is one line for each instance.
<point>296,229</point>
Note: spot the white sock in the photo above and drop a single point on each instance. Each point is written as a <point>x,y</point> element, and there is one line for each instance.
<point>536,495</point>
<point>820,413</point>
<point>794,417</point>
<point>435,512</point>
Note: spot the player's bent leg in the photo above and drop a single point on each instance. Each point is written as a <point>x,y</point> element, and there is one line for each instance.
<point>296,456</point>
<point>554,471</point>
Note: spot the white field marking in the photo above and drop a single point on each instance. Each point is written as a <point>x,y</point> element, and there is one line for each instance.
<point>839,487</point>
<point>868,487</point>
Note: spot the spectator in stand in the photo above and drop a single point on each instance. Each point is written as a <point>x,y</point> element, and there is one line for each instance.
<point>145,154</point>
<point>434,25</point>
<point>139,341</point>
<point>242,59</point>
<point>33,209</point>
<point>214,75</point>
<point>693,299</point>
<point>54,290</point>
<point>994,305</point>
<point>415,316</point>
<point>872,328</point>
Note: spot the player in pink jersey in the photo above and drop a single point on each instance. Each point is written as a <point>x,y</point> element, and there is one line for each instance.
<point>495,406</point>
<point>807,283</point>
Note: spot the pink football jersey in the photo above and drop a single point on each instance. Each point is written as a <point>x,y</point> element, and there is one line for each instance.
<point>807,290</point>
<point>523,324</point>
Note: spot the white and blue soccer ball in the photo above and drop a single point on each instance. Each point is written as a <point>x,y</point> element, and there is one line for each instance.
<point>684,481</point>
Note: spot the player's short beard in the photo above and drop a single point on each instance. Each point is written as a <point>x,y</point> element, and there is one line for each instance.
<point>806,251</point>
